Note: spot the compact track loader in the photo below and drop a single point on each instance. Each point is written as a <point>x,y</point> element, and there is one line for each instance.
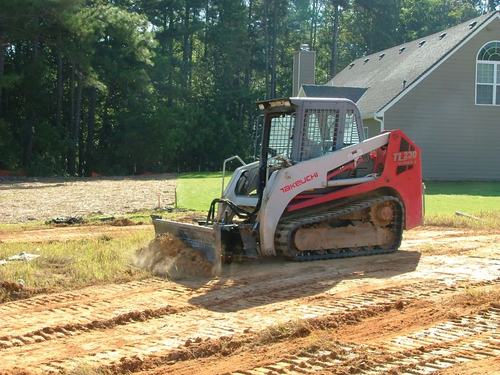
<point>320,190</point>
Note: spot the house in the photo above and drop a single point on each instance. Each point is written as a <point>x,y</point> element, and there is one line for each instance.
<point>443,91</point>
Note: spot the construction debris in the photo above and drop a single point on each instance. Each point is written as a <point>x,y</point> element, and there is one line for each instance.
<point>69,220</point>
<point>25,257</point>
<point>469,216</point>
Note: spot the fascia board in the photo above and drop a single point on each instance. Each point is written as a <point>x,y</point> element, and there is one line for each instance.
<point>369,115</point>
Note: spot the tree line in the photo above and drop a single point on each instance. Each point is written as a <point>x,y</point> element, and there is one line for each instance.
<point>123,87</point>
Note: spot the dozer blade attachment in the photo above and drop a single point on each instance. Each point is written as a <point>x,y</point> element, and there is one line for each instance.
<point>203,238</point>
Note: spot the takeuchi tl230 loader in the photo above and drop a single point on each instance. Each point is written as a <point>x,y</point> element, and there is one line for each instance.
<point>320,190</point>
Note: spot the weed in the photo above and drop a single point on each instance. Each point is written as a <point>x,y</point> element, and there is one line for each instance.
<point>478,296</point>
<point>476,293</point>
<point>104,238</point>
<point>488,220</point>
<point>281,330</point>
<point>84,367</point>
<point>429,248</point>
<point>318,341</point>
<point>73,264</point>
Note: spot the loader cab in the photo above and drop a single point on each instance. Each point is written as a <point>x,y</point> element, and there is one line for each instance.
<point>301,129</point>
<point>294,130</point>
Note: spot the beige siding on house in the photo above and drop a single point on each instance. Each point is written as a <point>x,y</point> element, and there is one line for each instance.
<point>458,139</point>
<point>373,127</point>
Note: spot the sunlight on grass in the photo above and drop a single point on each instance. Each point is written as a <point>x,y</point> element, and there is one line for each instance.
<point>480,220</point>
<point>75,263</point>
<point>282,330</point>
<point>195,191</point>
<point>449,204</point>
<point>478,296</point>
<point>468,197</point>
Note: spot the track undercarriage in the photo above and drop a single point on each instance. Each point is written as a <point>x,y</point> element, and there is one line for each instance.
<point>369,227</point>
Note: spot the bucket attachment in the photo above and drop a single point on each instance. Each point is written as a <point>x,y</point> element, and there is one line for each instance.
<point>206,239</point>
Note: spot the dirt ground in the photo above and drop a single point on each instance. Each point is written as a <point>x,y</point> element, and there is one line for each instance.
<point>24,199</point>
<point>432,307</point>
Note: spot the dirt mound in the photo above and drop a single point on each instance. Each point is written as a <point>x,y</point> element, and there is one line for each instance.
<point>168,256</point>
<point>123,223</point>
<point>13,291</point>
<point>10,291</point>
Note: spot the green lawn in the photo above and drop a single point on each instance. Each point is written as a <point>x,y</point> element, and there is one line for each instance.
<point>445,198</point>
<point>196,191</point>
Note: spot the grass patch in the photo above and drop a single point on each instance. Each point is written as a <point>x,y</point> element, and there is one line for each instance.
<point>482,220</point>
<point>20,227</point>
<point>86,367</point>
<point>485,189</point>
<point>284,330</point>
<point>479,199</point>
<point>195,191</point>
<point>73,264</point>
<point>479,296</point>
<point>137,217</point>
<point>468,197</point>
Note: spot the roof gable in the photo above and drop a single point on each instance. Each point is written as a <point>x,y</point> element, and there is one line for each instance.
<point>389,74</point>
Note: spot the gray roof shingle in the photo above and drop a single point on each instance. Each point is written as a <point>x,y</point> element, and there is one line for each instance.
<point>383,73</point>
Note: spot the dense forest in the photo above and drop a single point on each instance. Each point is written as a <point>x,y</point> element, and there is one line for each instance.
<point>122,87</point>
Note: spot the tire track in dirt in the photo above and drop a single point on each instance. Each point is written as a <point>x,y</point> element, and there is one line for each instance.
<point>157,318</point>
<point>468,338</point>
<point>94,308</point>
<point>50,316</point>
<point>198,325</point>
<point>142,300</point>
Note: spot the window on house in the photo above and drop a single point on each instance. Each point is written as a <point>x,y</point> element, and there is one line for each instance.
<point>488,74</point>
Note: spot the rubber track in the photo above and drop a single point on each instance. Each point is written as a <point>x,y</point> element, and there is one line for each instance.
<point>286,228</point>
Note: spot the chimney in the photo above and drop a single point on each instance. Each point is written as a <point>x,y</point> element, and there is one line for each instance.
<point>304,66</point>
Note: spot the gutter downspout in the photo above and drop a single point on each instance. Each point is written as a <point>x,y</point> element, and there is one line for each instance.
<point>380,119</point>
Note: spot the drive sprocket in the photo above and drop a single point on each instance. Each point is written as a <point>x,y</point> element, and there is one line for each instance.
<point>381,214</point>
